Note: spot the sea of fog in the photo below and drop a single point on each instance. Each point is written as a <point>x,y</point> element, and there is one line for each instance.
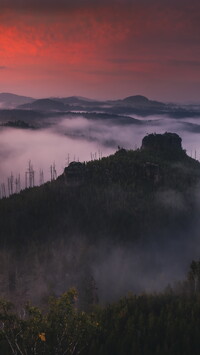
<point>80,139</point>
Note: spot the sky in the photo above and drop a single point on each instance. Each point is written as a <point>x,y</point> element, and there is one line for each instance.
<point>103,49</point>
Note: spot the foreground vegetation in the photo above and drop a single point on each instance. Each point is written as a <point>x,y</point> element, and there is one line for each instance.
<point>155,324</point>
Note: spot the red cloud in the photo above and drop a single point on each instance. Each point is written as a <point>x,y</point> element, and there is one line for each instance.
<point>134,40</point>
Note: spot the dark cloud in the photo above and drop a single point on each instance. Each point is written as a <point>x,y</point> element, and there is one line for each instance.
<point>53,5</point>
<point>174,62</point>
<point>61,5</point>
<point>131,60</point>
<point>190,63</point>
<point>114,72</point>
<point>3,67</point>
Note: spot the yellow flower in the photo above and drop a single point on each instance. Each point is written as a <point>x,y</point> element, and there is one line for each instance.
<point>42,336</point>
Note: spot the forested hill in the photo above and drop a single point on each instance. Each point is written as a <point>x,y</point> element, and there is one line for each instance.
<point>130,196</point>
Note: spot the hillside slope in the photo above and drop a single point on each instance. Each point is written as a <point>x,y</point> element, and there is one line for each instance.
<point>112,196</point>
<point>134,214</point>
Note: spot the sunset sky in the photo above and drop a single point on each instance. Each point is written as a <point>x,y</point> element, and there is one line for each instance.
<point>101,49</point>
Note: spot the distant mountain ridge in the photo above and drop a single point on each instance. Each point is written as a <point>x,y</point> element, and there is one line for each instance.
<point>24,102</point>
<point>135,104</point>
<point>44,105</point>
<point>79,103</point>
<point>9,100</point>
<point>76,103</point>
<point>141,100</point>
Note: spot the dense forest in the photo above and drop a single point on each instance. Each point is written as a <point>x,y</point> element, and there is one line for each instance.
<point>119,196</point>
<point>128,222</point>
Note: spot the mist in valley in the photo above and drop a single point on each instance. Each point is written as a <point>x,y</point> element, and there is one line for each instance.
<point>77,138</point>
<point>106,271</point>
<point>116,268</point>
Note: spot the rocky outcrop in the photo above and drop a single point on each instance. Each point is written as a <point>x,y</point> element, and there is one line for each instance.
<point>74,173</point>
<point>167,142</point>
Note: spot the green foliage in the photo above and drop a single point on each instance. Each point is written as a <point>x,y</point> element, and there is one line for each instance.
<point>146,324</point>
<point>150,325</point>
<point>62,329</point>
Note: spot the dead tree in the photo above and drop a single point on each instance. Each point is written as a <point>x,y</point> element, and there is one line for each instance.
<point>17,184</point>
<point>10,184</point>
<point>41,180</point>
<point>30,176</point>
<point>3,190</point>
<point>53,172</point>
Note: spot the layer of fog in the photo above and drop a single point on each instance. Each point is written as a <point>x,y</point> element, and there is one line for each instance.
<point>154,263</point>
<point>78,138</point>
<point>43,148</point>
<point>113,133</point>
<point>108,271</point>
<point>104,270</point>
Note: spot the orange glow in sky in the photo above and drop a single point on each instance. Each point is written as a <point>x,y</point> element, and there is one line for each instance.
<point>108,50</point>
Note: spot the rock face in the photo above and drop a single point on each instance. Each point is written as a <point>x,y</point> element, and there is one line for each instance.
<point>74,173</point>
<point>167,142</point>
